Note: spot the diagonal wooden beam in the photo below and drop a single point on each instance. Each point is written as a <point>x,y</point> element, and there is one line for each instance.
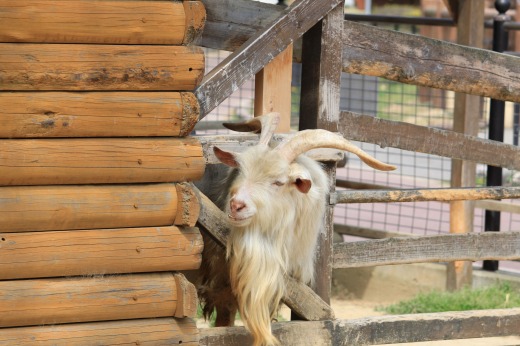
<point>299,297</point>
<point>259,50</point>
<point>418,60</point>
<point>396,134</point>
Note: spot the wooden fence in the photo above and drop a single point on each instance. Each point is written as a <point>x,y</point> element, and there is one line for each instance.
<point>401,57</point>
<point>93,174</point>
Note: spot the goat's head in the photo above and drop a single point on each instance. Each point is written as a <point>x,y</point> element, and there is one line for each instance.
<point>265,174</point>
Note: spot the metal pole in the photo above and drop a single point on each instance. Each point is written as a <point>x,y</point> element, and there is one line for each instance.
<point>496,123</point>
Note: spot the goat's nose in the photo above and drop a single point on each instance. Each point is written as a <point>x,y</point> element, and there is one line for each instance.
<point>236,206</point>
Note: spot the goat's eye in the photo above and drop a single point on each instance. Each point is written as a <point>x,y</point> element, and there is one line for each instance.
<point>279,183</point>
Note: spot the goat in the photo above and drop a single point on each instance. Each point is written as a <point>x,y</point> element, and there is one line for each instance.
<point>275,201</point>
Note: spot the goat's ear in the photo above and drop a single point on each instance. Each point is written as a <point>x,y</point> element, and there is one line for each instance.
<point>300,177</point>
<point>303,185</point>
<point>225,157</point>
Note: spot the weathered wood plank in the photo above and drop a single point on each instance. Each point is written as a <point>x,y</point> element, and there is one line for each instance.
<point>319,108</point>
<point>239,143</point>
<point>418,60</point>
<point>106,22</point>
<point>52,208</point>
<point>441,248</point>
<point>396,134</point>
<point>228,29</point>
<point>85,299</point>
<point>299,297</point>
<point>107,251</point>
<point>379,330</point>
<point>427,327</point>
<point>411,195</point>
<point>97,114</point>
<point>366,232</point>
<point>27,66</point>
<point>259,50</point>
<point>160,331</point>
<point>98,161</point>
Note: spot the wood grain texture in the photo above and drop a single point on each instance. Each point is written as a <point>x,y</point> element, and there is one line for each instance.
<point>53,208</point>
<point>421,195</point>
<point>239,143</point>
<point>98,161</point>
<point>97,114</point>
<point>228,30</point>
<point>273,89</point>
<point>319,105</point>
<point>86,299</point>
<point>442,248</point>
<point>299,297</point>
<point>145,332</point>
<point>106,22</point>
<point>259,50</point>
<point>379,330</point>
<point>396,134</point>
<point>26,66</point>
<point>195,14</point>
<point>418,60</point>
<point>107,251</point>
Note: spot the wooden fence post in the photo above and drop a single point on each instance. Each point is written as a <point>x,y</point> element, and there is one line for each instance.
<point>273,89</point>
<point>468,108</point>
<point>319,108</point>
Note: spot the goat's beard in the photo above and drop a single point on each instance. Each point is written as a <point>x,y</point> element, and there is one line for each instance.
<point>257,280</point>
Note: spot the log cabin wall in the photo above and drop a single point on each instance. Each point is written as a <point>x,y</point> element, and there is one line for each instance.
<point>96,217</point>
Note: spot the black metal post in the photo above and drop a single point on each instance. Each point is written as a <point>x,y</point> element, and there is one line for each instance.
<point>496,123</point>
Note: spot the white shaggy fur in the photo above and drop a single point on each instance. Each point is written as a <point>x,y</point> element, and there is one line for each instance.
<point>262,249</point>
<point>275,202</point>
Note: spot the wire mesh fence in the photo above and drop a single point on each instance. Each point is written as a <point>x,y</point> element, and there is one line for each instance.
<point>392,101</point>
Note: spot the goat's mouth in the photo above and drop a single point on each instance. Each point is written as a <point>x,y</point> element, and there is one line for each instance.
<point>240,220</point>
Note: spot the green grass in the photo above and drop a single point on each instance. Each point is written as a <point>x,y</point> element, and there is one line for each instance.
<point>498,296</point>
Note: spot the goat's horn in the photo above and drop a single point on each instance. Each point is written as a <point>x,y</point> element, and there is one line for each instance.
<point>306,140</point>
<point>264,124</point>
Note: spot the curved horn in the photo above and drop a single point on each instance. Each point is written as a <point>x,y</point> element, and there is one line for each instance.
<point>264,124</point>
<point>306,140</point>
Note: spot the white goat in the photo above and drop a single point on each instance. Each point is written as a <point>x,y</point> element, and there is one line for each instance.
<point>275,202</point>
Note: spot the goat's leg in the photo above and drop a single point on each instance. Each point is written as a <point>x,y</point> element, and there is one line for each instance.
<point>225,316</point>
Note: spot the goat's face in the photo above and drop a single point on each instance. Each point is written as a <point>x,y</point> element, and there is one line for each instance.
<point>262,178</point>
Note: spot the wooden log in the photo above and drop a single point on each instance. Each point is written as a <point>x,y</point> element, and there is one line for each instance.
<point>379,330</point>
<point>99,161</point>
<point>411,195</point>
<point>369,233</point>
<point>107,251</point>
<point>259,50</point>
<point>106,22</point>
<point>418,60</point>
<point>52,208</point>
<point>152,331</point>
<point>299,297</point>
<point>396,134</point>
<point>97,114</point>
<point>27,66</point>
<point>86,299</point>
<point>439,248</point>
<point>195,21</point>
